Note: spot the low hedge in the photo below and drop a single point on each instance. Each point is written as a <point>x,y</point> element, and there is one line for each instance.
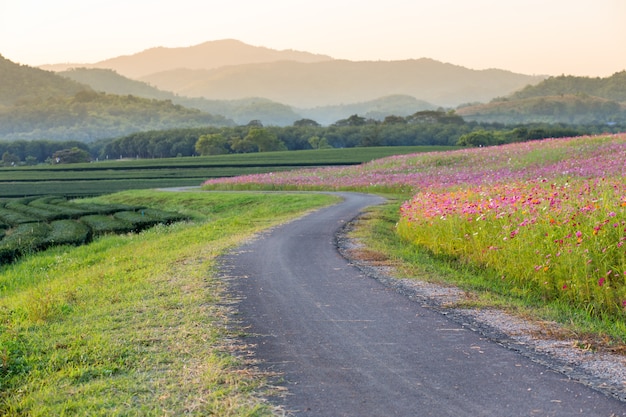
<point>138,219</point>
<point>102,224</point>
<point>36,212</point>
<point>24,239</point>
<point>68,232</point>
<point>35,223</point>
<point>15,218</point>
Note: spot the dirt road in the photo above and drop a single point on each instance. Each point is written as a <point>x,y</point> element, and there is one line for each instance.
<point>346,345</point>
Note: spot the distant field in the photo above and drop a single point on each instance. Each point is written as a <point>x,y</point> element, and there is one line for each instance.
<point>104,177</point>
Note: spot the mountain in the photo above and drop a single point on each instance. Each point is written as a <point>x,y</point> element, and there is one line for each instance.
<point>208,55</point>
<point>306,85</point>
<point>38,104</point>
<point>242,111</point>
<point>563,99</point>
<point>232,70</point>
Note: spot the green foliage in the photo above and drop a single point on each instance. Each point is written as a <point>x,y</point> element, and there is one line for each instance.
<point>611,88</point>
<point>39,213</point>
<point>22,240</point>
<point>15,218</point>
<point>10,159</point>
<point>36,104</point>
<point>265,140</point>
<point>101,224</point>
<point>479,138</point>
<point>22,83</point>
<point>137,219</point>
<point>212,144</point>
<point>37,151</point>
<point>70,156</point>
<point>32,224</point>
<point>563,99</point>
<point>68,232</point>
<point>88,116</point>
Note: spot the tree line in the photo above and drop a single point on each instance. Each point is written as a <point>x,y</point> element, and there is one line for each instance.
<point>443,128</point>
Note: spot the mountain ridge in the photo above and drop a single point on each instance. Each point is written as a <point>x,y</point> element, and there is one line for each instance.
<point>232,70</point>
<point>206,55</point>
<point>244,110</point>
<point>342,81</point>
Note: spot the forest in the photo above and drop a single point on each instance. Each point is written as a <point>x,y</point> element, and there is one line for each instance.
<point>439,128</point>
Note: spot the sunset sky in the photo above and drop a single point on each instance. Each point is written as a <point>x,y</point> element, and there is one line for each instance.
<point>553,37</point>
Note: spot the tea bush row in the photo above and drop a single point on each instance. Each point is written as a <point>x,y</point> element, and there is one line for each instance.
<point>29,225</point>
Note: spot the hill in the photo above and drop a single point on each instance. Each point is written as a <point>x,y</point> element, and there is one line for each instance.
<point>306,85</point>
<point>38,104</point>
<point>610,88</point>
<point>212,54</point>
<point>23,83</point>
<point>240,111</point>
<point>563,99</point>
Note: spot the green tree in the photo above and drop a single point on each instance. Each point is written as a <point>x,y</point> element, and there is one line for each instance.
<point>212,144</point>
<point>10,159</point>
<point>242,145</point>
<point>477,138</point>
<point>264,140</point>
<point>314,141</point>
<point>71,156</point>
<point>306,123</point>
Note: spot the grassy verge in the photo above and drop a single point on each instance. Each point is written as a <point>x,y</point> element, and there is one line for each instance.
<point>377,230</point>
<point>135,324</point>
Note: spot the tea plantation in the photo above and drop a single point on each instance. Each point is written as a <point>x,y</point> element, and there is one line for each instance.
<point>32,224</point>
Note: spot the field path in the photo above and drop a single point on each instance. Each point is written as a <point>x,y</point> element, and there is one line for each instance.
<point>346,345</point>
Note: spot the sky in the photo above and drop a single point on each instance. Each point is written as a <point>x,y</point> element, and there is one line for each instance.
<point>542,37</point>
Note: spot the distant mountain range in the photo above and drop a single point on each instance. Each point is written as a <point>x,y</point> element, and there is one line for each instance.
<point>208,55</point>
<point>228,82</point>
<point>232,70</point>
<point>244,110</point>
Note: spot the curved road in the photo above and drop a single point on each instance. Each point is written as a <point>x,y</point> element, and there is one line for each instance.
<point>346,345</point>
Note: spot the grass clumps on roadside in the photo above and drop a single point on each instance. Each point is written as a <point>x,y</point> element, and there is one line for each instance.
<point>135,324</point>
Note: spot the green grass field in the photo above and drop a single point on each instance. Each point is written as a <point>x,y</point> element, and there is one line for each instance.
<point>136,324</point>
<point>104,177</point>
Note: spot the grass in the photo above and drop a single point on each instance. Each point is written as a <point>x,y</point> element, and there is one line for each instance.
<point>103,177</point>
<point>136,324</point>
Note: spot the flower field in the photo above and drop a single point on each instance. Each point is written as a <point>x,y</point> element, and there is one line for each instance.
<point>548,217</point>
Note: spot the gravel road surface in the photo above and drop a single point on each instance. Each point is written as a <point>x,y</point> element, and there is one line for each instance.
<point>346,345</point>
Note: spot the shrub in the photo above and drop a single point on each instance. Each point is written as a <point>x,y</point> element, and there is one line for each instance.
<point>104,224</point>
<point>68,232</point>
<point>14,218</point>
<point>138,220</point>
<point>24,239</point>
<point>58,206</point>
<point>94,208</point>
<point>162,216</point>
<point>33,211</point>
